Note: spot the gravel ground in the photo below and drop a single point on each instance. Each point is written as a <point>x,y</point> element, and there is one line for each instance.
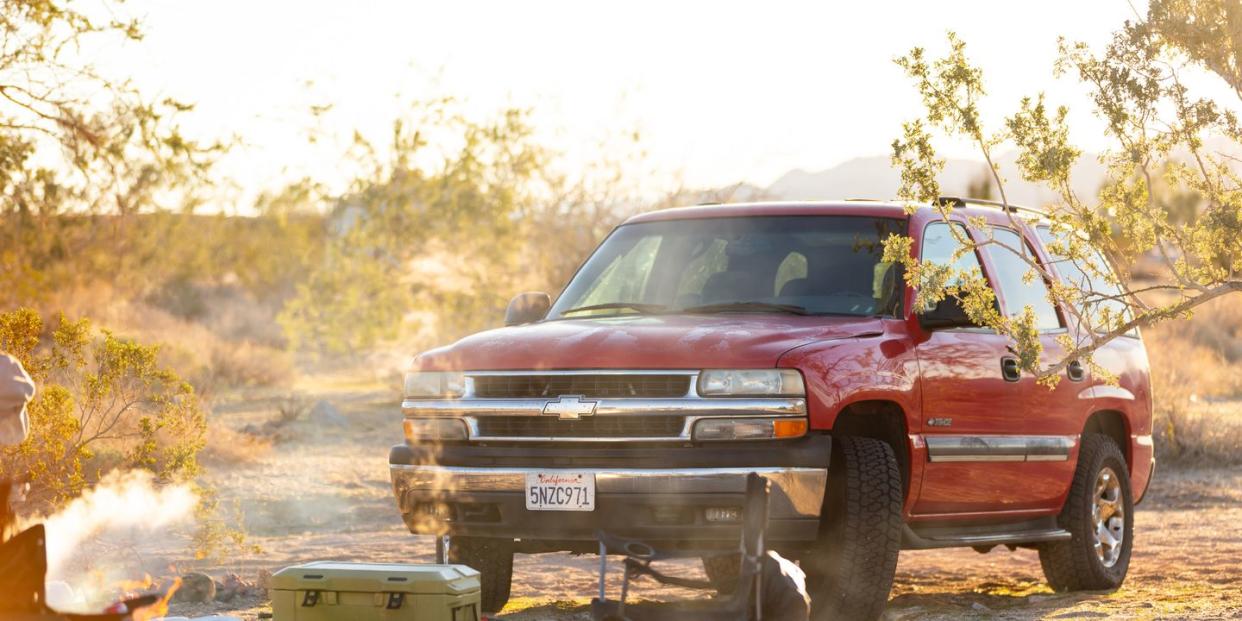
<point>323,493</point>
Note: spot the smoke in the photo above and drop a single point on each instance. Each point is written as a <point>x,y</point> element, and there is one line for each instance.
<point>127,502</point>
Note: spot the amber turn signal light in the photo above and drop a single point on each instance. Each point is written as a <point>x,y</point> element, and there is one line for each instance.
<point>788,427</point>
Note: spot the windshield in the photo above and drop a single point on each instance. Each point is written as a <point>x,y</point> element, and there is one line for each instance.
<point>778,264</point>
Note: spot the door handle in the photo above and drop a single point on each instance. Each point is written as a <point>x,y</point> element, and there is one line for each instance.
<point>1010,369</point>
<point>1075,371</point>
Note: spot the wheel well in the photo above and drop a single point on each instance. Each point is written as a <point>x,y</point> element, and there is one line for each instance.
<point>880,420</point>
<point>1112,424</point>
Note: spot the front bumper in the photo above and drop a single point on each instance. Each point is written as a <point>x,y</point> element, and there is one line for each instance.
<point>654,494</point>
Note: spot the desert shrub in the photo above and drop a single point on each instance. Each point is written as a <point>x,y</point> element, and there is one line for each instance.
<point>1201,433</point>
<point>1218,326</point>
<point>246,365</point>
<point>350,304</point>
<point>211,357</point>
<point>180,297</point>
<point>292,407</point>
<point>1196,379</point>
<point>220,532</point>
<point>227,447</point>
<point>104,403</point>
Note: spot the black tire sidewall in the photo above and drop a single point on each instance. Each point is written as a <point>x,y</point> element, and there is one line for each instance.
<point>493,559</point>
<point>850,570</point>
<point>1084,530</point>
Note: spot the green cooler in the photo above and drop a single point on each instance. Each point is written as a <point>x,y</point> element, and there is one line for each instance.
<point>333,591</point>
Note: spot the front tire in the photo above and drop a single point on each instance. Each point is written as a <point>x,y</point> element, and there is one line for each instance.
<point>1099,514</point>
<point>493,558</point>
<point>850,573</point>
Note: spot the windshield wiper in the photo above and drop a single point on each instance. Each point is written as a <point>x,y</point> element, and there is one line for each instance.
<point>725,307</point>
<point>639,307</point>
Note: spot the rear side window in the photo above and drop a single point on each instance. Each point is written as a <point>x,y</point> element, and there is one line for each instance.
<point>1073,274</point>
<point>1019,284</point>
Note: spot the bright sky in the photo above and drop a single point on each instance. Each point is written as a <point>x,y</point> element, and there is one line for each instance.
<point>722,92</point>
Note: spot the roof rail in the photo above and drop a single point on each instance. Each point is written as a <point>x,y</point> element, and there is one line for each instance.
<point>958,201</point>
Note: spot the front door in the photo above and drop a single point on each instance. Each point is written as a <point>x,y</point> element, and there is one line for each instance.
<point>973,409</point>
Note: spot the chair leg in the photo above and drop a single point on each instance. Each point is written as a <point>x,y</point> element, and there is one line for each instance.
<point>603,570</point>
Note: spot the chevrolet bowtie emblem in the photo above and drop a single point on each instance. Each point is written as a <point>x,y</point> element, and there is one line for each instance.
<point>569,407</point>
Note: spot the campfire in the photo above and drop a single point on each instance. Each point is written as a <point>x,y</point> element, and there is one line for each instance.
<point>160,607</point>
<point>41,550</point>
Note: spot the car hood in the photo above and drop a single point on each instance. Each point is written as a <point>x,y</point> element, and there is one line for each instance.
<point>644,342</point>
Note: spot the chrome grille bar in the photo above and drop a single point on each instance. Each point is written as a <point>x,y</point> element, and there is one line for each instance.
<point>678,414</point>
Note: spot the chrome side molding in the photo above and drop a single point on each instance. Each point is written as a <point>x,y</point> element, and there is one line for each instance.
<point>999,448</point>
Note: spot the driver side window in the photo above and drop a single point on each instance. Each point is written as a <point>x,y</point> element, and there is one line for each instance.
<point>626,278</point>
<point>940,244</point>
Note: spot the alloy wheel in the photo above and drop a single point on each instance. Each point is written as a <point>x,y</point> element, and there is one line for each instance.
<point>1109,514</point>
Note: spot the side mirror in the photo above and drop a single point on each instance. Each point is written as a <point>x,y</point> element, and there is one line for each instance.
<point>948,313</point>
<point>527,307</point>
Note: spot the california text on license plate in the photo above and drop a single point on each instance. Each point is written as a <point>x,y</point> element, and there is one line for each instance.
<point>560,491</point>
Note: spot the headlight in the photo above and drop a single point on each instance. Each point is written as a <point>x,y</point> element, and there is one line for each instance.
<point>751,383</point>
<point>435,384</point>
<point>715,429</point>
<point>434,429</point>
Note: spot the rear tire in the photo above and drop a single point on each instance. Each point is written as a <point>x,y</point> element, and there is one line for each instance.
<point>723,572</point>
<point>493,558</point>
<point>850,572</point>
<point>1097,556</point>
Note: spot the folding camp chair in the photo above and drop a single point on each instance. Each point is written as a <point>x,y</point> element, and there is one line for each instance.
<point>744,603</point>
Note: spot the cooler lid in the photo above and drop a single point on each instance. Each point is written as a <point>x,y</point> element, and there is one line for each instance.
<point>377,578</point>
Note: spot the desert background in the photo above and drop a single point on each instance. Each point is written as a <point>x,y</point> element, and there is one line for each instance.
<point>222,245</point>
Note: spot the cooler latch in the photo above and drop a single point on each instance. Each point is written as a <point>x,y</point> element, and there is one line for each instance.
<point>310,599</point>
<point>395,600</point>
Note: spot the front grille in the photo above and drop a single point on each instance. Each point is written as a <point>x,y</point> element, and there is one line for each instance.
<point>591,427</point>
<point>595,386</point>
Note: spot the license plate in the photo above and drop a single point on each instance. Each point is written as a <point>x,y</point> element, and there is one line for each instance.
<point>560,491</point>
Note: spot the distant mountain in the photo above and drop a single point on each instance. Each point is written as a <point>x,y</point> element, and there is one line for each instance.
<point>875,177</point>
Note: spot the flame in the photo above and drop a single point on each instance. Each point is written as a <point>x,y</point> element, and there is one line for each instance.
<point>136,586</point>
<point>159,608</point>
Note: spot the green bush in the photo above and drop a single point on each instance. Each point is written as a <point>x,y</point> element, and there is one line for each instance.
<point>103,403</point>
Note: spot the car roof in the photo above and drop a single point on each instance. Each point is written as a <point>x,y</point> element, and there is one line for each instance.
<point>850,207</point>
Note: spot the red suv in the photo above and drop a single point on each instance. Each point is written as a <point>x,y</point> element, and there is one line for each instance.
<point>697,345</point>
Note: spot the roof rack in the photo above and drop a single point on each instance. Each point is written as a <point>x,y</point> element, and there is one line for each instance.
<point>958,201</point>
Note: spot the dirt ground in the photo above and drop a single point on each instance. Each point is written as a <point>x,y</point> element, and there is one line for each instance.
<point>323,493</point>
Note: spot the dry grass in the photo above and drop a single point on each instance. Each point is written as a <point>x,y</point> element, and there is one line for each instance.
<point>226,447</point>
<point>246,365</point>
<point>292,407</point>
<point>1197,384</point>
<point>211,351</point>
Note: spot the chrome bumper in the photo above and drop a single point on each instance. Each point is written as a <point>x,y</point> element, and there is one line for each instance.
<point>796,493</point>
